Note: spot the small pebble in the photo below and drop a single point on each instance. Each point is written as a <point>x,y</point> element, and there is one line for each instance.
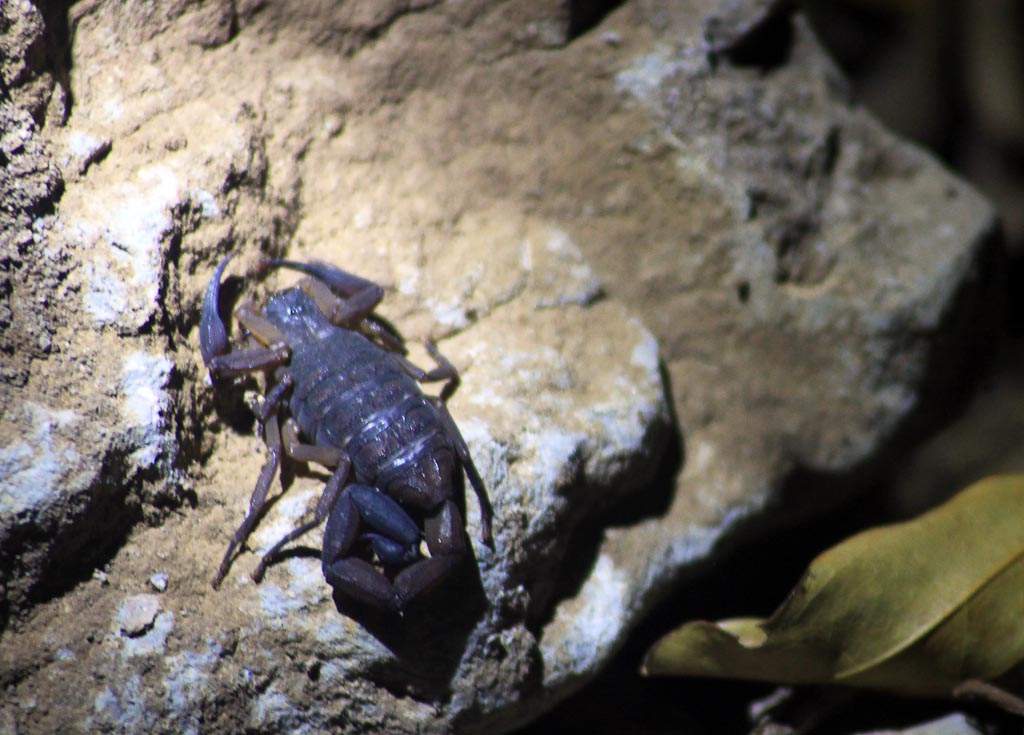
<point>159,581</point>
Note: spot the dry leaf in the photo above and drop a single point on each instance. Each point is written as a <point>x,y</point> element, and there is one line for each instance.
<point>930,607</point>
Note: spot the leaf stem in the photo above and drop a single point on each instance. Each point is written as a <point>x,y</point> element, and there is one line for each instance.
<point>978,689</point>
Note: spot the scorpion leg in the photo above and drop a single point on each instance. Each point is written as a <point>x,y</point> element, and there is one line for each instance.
<point>445,370</point>
<point>243,362</point>
<point>446,539</point>
<point>254,359</point>
<point>258,501</point>
<point>265,332</point>
<point>354,313</point>
<point>323,454</point>
<point>267,406</point>
<point>342,312</point>
<point>324,505</point>
<point>374,326</point>
<point>275,350</point>
<point>265,412</point>
<point>462,449</point>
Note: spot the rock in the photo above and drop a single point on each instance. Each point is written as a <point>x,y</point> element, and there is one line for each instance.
<point>137,614</point>
<point>545,202</point>
<point>159,581</point>
<point>953,724</point>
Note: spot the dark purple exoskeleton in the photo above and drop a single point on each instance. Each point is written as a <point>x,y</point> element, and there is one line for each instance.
<point>340,392</point>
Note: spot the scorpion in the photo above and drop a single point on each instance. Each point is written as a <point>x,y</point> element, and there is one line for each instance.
<point>341,392</point>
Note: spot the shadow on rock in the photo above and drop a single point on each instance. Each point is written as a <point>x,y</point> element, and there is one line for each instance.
<point>429,638</point>
<point>656,479</point>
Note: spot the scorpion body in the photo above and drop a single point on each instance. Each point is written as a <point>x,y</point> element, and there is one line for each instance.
<point>342,393</point>
<point>351,394</point>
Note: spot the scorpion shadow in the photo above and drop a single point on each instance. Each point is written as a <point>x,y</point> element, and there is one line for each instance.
<point>429,639</point>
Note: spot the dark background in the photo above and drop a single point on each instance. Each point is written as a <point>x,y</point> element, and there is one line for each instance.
<point>948,75</point>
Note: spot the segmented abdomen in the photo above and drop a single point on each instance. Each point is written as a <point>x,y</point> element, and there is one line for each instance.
<point>353,395</point>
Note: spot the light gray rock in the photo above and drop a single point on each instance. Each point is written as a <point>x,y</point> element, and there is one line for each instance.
<point>137,614</point>
<point>954,724</point>
<point>548,200</point>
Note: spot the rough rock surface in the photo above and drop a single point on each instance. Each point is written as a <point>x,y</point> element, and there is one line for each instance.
<point>537,186</point>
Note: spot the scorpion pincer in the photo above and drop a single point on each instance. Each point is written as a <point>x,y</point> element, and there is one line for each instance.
<point>340,392</point>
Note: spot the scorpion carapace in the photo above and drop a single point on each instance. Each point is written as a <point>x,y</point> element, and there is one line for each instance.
<point>341,392</point>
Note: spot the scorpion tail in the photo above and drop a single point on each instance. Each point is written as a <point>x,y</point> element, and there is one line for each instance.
<point>341,282</point>
<point>213,335</point>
